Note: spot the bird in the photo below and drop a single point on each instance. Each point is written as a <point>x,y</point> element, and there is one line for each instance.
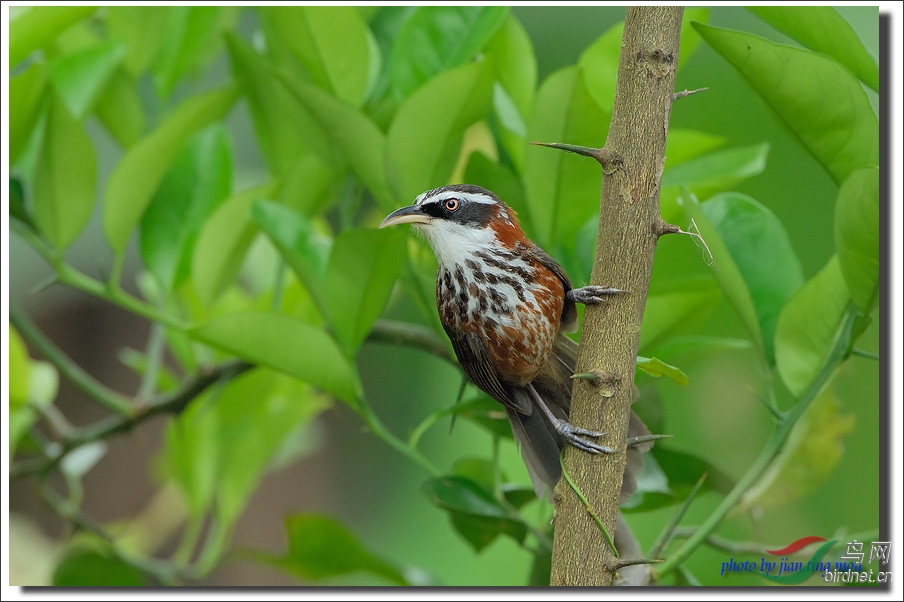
<point>505,305</point>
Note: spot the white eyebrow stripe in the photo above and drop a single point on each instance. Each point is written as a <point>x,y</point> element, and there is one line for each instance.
<point>454,194</point>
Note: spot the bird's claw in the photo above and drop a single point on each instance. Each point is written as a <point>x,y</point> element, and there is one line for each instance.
<point>574,435</point>
<point>589,295</point>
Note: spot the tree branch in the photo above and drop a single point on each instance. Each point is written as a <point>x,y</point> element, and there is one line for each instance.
<point>629,227</point>
<point>170,403</point>
<point>84,381</point>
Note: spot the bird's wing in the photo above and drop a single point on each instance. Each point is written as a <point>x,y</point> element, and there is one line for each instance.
<point>569,311</point>
<point>472,356</point>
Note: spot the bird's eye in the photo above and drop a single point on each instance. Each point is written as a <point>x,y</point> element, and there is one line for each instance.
<point>451,204</point>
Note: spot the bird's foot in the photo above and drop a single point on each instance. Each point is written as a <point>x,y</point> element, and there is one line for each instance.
<point>574,435</point>
<point>589,295</point>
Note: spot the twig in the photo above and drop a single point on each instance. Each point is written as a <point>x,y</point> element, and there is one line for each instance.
<point>68,368</point>
<point>685,93</point>
<point>412,335</point>
<point>169,403</point>
<point>666,536</point>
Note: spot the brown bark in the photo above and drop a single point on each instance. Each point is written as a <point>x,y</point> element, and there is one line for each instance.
<point>629,227</point>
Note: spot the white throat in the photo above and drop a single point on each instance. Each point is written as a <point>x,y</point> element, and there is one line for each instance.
<point>453,243</point>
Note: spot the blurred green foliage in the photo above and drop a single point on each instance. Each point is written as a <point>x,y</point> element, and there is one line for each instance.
<point>353,112</point>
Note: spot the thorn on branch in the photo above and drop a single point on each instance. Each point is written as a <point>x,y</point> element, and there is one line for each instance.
<point>662,228</point>
<point>685,93</point>
<point>634,441</point>
<point>620,563</point>
<point>44,284</point>
<point>609,160</point>
<point>593,377</point>
<point>777,414</point>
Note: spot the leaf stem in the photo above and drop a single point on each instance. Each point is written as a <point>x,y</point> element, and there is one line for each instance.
<point>588,507</point>
<point>84,381</point>
<point>666,536</point>
<point>154,354</point>
<point>379,429</point>
<point>866,354</point>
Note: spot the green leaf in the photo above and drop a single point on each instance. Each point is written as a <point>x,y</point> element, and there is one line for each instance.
<point>199,179</point>
<point>728,275</point>
<point>813,450</point>
<point>473,510</point>
<point>436,39</point>
<point>481,471</point>
<point>135,180</point>
<point>223,242</point>
<point>363,268</point>
<point>353,133</point>
<point>310,187</point>
<point>822,29</point>
<point>691,345</point>
<point>599,67</point>
<point>285,130</point>
<point>331,43</point>
<point>321,547</point>
<point>857,236</point>
<point>18,371</point>
<point>304,249</point>
<point>189,40</point>
<point>65,183</point>
<point>690,39</point>
<point>96,566</point>
<point>820,101</point>
<point>808,326</point>
<point>563,191</point>
<point>142,30</point>
<point>669,476</point>
<point>425,136</point>
<point>221,447</point>
<point>32,385</point>
<point>680,306</point>
<point>684,145</point>
<point>120,110</point>
<point>80,77</point>
<point>39,26</point>
<point>512,55</point>
<point>285,344</point>
<point>17,208</point>
<point>656,368</point>
<point>26,103</point>
<point>763,254</point>
<point>487,413</point>
<point>710,174</point>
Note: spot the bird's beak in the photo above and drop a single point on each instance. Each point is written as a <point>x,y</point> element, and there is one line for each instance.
<point>406,215</point>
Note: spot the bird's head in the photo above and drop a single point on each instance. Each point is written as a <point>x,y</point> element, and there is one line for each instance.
<point>459,220</point>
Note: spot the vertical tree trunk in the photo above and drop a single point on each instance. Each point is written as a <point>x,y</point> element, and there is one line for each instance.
<point>630,225</point>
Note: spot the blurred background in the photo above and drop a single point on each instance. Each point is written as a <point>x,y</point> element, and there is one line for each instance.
<point>353,476</point>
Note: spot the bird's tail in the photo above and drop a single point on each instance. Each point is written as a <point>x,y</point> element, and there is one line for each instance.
<point>541,445</point>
